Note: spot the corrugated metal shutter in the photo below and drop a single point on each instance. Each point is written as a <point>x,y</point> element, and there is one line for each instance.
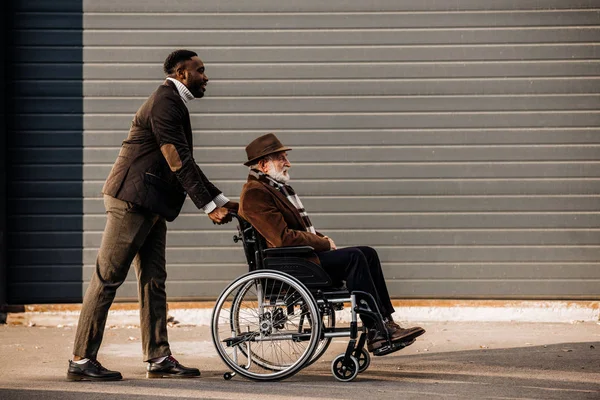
<point>458,138</point>
<point>45,148</point>
<point>4,101</point>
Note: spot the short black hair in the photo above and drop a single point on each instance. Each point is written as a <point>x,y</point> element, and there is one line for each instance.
<point>175,58</point>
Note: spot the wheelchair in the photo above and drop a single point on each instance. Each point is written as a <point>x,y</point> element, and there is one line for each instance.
<point>280,317</point>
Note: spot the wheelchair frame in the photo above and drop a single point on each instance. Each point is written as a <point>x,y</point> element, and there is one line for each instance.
<point>286,300</point>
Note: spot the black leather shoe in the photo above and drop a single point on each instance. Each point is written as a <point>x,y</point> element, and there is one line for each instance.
<point>170,368</point>
<point>92,370</point>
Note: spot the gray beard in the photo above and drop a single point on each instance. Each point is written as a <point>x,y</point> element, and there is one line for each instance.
<point>279,176</point>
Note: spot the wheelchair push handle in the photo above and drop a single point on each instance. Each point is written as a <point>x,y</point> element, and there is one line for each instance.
<point>236,216</point>
<point>237,238</point>
<point>233,214</point>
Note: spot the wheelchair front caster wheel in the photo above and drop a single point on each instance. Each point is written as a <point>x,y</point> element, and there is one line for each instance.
<point>342,370</point>
<point>364,360</point>
<point>228,375</point>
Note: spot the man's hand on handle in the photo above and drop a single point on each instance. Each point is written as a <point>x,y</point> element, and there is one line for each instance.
<point>220,215</point>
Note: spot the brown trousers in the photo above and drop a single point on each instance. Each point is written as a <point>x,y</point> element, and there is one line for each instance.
<point>131,235</point>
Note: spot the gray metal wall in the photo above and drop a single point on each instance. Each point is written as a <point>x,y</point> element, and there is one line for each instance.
<point>461,139</point>
<point>44,152</point>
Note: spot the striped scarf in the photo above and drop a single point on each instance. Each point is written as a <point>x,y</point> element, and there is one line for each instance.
<point>289,193</point>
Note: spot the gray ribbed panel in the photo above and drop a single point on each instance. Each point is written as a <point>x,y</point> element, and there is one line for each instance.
<point>344,20</point>
<point>459,138</point>
<point>331,6</point>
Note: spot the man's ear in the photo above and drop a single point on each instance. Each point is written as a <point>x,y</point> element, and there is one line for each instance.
<point>262,164</point>
<point>180,71</point>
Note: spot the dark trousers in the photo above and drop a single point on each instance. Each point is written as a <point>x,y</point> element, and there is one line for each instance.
<point>361,269</point>
<point>131,235</point>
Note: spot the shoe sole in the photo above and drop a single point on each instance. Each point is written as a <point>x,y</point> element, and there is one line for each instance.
<point>160,375</point>
<point>77,377</point>
<point>377,345</point>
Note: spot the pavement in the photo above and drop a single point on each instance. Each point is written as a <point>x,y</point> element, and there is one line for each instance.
<point>453,360</point>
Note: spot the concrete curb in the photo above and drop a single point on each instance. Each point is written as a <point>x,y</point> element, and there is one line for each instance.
<point>199,313</point>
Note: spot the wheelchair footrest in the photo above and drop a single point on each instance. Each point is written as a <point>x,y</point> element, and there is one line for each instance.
<point>236,340</point>
<point>389,349</point>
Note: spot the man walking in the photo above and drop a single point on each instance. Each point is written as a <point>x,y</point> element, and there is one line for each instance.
<point>146,187</point>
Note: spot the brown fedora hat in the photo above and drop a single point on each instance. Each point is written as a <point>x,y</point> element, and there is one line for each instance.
<point>263,146</point>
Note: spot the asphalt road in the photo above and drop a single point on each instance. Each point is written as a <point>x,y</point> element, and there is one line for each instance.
<point>451,361</point>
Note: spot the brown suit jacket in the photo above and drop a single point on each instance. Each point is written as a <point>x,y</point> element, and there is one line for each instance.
<point>142,175</point>
<point>276,219</point>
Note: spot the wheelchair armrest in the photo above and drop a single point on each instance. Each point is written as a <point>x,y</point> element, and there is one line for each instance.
<point>288,251</point>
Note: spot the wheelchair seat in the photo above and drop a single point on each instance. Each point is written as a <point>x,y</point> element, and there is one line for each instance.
<point>291,260</point>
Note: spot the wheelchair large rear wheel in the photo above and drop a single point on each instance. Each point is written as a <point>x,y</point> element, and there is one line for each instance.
<point>262,325</point>
<point>327,323</point>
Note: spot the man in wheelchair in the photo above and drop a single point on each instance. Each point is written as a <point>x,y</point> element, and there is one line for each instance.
<point>277,213</point>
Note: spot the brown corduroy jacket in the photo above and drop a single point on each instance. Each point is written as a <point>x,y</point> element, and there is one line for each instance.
<point>276,219</point>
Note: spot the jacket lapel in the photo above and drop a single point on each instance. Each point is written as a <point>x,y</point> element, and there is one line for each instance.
<point>283,199</point>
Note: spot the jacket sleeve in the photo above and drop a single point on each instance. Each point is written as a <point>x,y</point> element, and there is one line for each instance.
<point>167,121</point>
<point>258,207</point>
<point>212,189</point>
